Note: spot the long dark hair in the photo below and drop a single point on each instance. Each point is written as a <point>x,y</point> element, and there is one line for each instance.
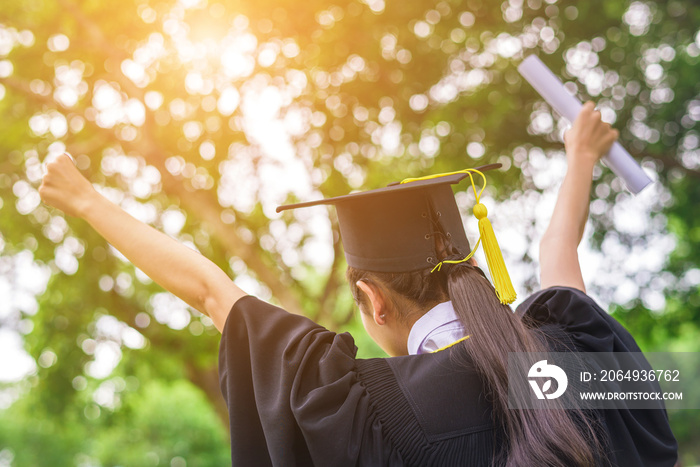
<point>534,437</point>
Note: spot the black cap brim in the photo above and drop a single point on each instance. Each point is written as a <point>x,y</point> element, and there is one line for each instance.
<point>391,188</point>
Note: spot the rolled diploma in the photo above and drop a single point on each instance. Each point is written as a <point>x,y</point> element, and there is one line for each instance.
<point>553,91</point>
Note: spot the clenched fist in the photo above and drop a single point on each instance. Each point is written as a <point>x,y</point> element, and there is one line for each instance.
<point>65,188</point>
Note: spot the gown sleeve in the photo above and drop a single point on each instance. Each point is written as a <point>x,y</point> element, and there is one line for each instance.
<point>292,390</point>
<point>636,436</point>
<point>590,327</point>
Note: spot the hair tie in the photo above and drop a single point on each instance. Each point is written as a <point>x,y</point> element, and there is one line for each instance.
<point>448,268</point>
<point>451,262</point>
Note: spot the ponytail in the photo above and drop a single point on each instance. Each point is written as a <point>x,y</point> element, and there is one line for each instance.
<point>535,437</point>
<point>548,437</point>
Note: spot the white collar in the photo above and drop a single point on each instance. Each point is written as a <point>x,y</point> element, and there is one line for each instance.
<point>436,329</point>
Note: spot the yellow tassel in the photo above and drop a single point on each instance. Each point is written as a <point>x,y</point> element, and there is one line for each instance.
<point>494,257</point>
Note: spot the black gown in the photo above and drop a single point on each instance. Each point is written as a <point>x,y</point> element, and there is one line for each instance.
<point>298,396</point>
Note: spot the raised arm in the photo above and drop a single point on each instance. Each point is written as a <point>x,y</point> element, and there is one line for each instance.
<point>180,270</point>
<point>586,142</point>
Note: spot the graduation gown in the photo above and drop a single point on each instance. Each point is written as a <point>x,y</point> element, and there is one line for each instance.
<point>297,395</point>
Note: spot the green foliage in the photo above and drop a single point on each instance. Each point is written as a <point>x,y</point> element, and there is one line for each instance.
<point>39,441</point>
<point>272,101</point>
<point>156,423</point>
<point>165,421</point>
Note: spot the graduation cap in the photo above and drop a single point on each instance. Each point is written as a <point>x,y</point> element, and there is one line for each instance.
<point>393,229</point>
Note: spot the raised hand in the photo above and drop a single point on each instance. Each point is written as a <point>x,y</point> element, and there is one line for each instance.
<point>65,188</point>
<point>586,142</point>
<point>177,268</point>
<point>589,138</point>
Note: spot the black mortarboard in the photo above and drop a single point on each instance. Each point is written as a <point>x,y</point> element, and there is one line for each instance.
<point>392,229</point>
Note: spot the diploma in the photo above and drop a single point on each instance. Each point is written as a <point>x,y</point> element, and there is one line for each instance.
<point>553,91</point>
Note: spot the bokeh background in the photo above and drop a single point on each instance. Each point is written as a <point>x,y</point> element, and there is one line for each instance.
<point>201,116</point>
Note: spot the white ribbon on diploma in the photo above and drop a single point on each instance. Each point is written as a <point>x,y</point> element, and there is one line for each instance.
<point>553,91</point>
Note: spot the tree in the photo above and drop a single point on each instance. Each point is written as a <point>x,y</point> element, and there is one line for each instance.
<point>201,117</point>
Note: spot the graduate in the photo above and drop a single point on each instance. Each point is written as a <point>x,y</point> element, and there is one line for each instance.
<point>298,396</point>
